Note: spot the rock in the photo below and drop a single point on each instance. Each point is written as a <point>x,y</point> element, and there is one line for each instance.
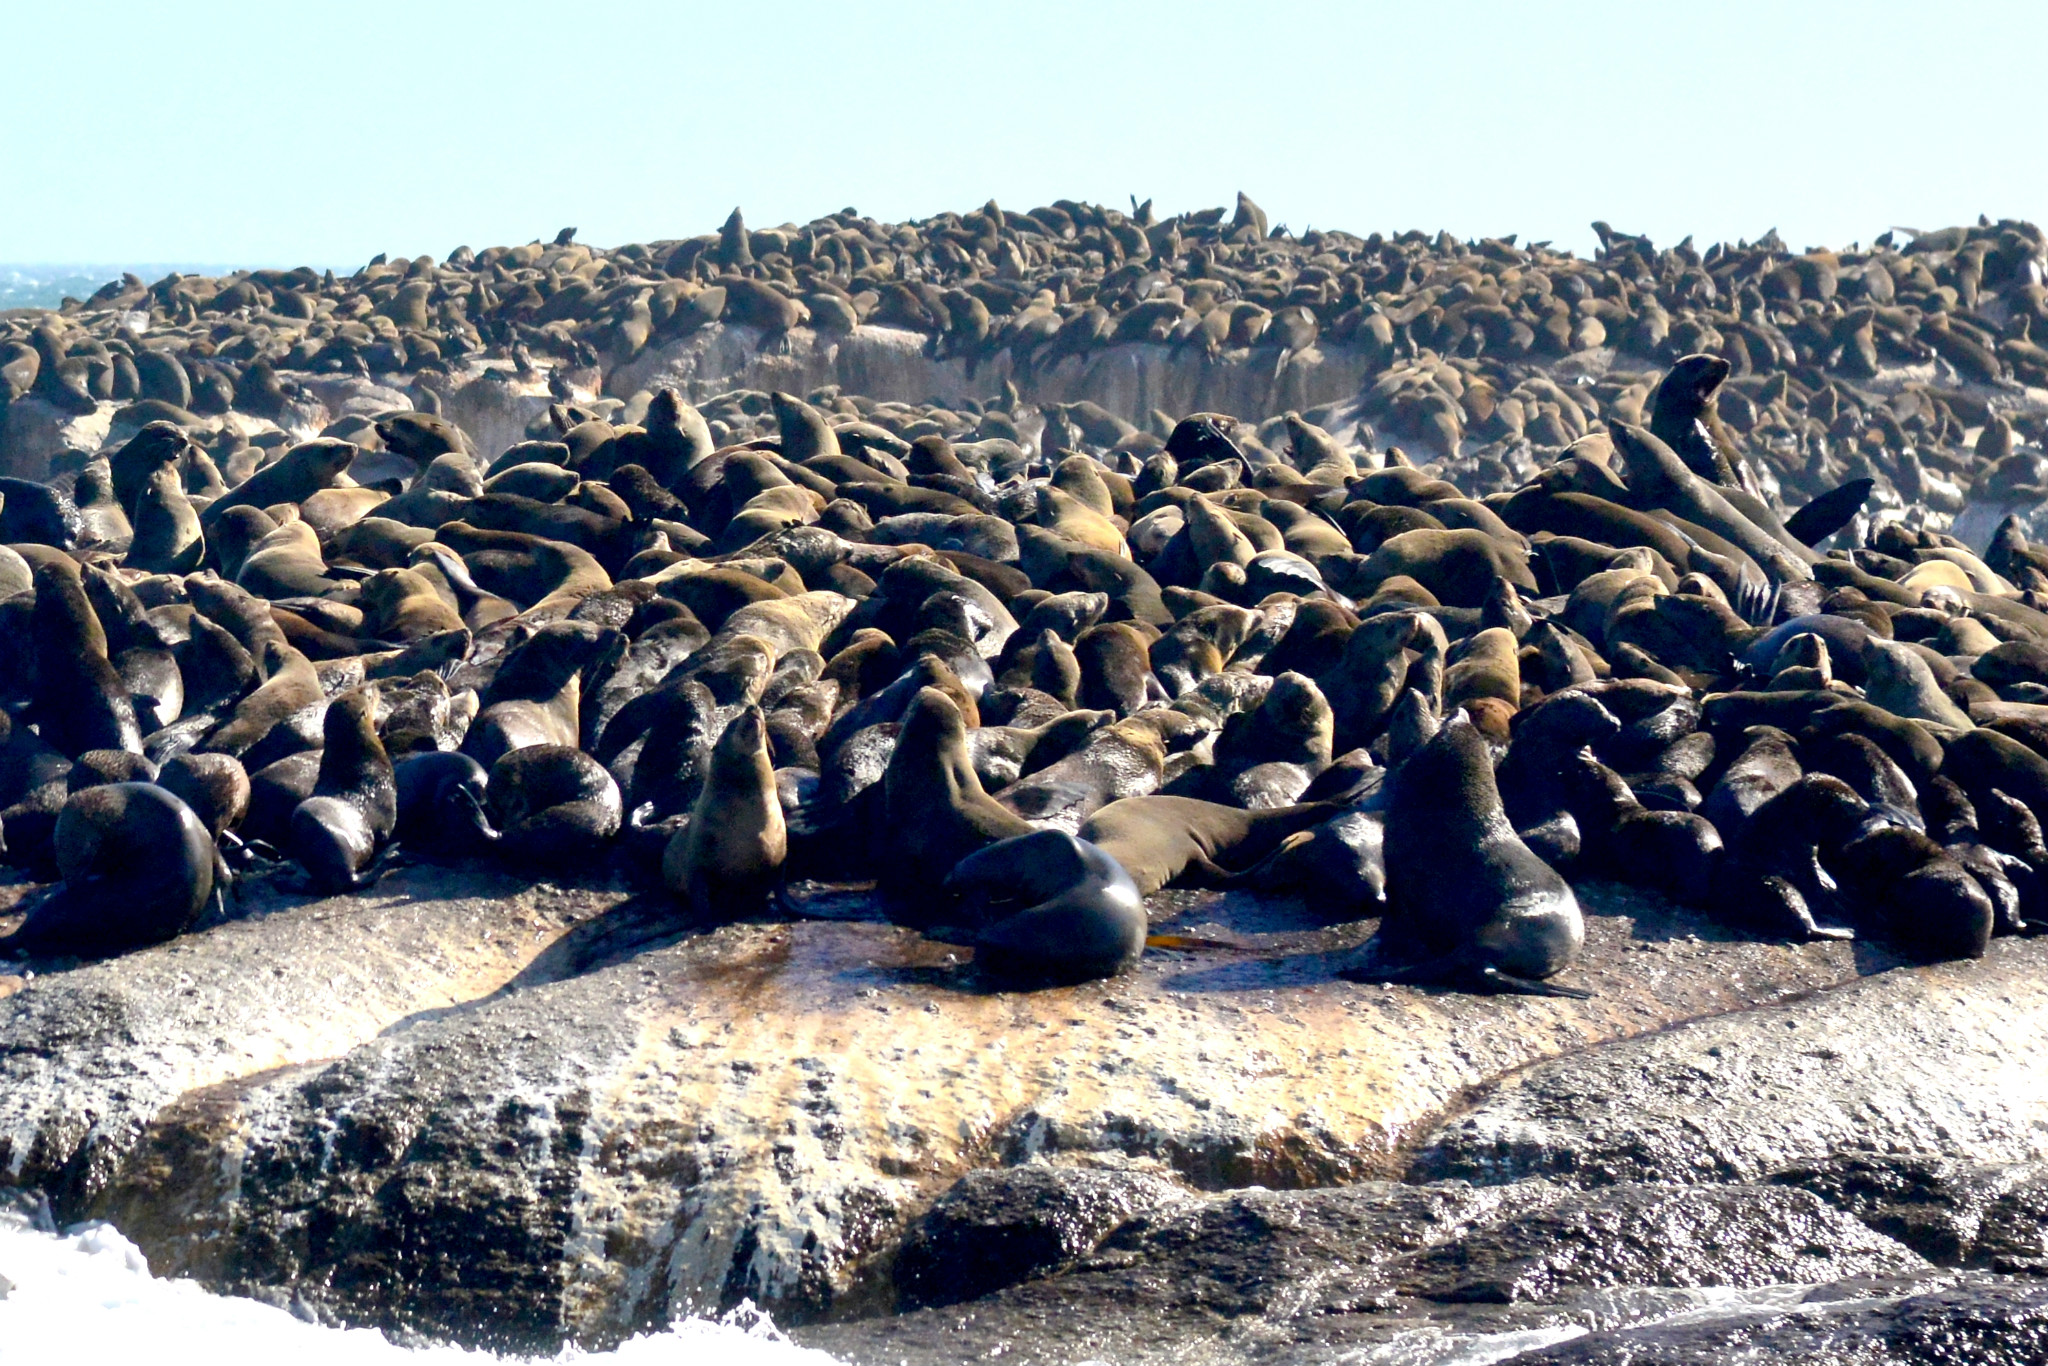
<point>1128,378</point>
<point>1939,1060</point>
<point>995,1228</point>
<point>33,431</point>
<point>653,1126</point>
<point>1263,1275</point>
<point>1666,1236</point>
<point>1952,1212</point>
<point>90,1056</point>
<point>1978,1323</point>
<point>1247,1264</point>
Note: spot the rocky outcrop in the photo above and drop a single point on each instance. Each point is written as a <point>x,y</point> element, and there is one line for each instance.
<point>1641,1251</point>
<point>523,1114</point>
<point>574,1135</point>
<point>90,1056</point>
<point>1937,1060</point>
<point>1264,1275</point>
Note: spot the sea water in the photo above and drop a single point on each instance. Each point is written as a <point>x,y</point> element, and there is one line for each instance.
<point>45,286</point>
<point>87,1295</point>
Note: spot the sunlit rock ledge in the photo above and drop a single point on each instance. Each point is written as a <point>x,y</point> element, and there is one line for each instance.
<point>530,1114</point>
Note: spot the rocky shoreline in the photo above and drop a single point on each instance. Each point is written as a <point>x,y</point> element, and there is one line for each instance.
<point>608,1121</point>
<point>560,559</point>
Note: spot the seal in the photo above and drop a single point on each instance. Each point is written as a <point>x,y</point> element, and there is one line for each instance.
<point>724,862</point>
<point>339,830</point>
<point>1160,840</point>
<point>214,786</point>
<point>299,473</point>
<point>401,604</point>
<point>1466,898</point>
<point>555,807</point>
<point>1048,909</point>
<point>81,702</point>
<point>167,535</point>
<point>536,696</point>
<point>935,809</point>
<point>441,805</point>
<point>138,869</point>
<point>1911,892</point>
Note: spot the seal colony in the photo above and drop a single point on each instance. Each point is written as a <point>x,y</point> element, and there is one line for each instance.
<point>1023,666</point>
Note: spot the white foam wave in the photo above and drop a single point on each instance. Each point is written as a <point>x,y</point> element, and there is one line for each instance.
<point>87,1295</point>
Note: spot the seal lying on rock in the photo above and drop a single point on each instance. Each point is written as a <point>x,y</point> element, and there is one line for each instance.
<point>1048,909</point>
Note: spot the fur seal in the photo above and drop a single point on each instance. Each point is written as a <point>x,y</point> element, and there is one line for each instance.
<point>1048,909</point>
<point>339,830</point>
<point>1465,895</point>
<point>299,473</point>
<point>935,810</point>
<point>535,698</point>
<point>1159,840</point>
<point>138,868</point>
<point>725,860</point>
<point>554,806</point>
<point>441,805</point>
<point>82,702</point>
<point>214,786</point>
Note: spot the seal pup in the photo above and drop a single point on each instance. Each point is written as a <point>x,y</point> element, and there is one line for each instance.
<point>441,805</point>
<point>1466,899</point>
<point>1048,909</point>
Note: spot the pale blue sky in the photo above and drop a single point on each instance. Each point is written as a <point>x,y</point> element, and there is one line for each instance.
<point>279,133</point>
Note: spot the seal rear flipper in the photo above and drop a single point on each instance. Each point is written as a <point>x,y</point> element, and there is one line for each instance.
<point>1793,919</point>
<point>1263,875</point>
<point>475,821</point>
<point>1205,872</point>
<point>1523,986</point>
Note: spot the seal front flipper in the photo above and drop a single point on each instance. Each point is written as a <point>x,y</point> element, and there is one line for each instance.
<point>1523,986</point>
<point>1830,512</point>
<point>1793,919</point>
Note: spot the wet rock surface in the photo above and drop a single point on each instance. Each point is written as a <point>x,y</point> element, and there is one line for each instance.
<point>1955,1213</point>
<point>1687,1266</point>
<point>613,1117</point>
<point>668,1120</point>
<point>1936,1060</point>
<point>90,1055</point>
<point>1973,1321</point>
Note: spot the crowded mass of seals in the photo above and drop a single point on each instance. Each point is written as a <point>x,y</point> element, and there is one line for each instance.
<point>1707,572</point>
